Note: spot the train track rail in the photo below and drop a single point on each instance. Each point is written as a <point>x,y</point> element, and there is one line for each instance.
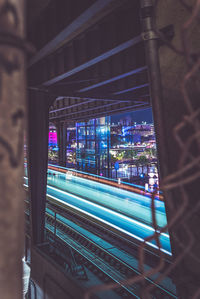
<point>103,258</point>
<point>104,229</point>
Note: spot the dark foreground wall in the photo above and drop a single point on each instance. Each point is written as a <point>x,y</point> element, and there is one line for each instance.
<point>12,119</point>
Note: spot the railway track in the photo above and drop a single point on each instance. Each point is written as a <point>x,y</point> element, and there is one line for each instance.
<point>99,259</point>
<point>94,247</point>
<point>105,231</point>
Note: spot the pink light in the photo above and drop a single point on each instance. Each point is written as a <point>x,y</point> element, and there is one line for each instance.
<point>53,137</point>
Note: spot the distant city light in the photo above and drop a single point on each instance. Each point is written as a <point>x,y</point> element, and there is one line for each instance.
<point>97,144</point>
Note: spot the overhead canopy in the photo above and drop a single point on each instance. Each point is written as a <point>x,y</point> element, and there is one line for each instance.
<point>90,57</point>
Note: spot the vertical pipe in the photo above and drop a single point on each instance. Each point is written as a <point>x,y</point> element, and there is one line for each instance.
<point>169,113</point>
<point>152,60</point>
<point>12,119</point>
<point>159,114</point>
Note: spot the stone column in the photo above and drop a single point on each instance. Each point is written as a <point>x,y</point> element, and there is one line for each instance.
<point>12,118</point>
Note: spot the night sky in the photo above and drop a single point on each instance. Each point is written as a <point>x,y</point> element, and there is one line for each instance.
<point>137,116</point>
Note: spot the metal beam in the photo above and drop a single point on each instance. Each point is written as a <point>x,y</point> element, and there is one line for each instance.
<point>140,98</point>
<point>87,109</point>
<point>95,60</point>
<point>136,100</point>
<point>99,99</point>
<point>115,111</point>
<point>138,70</point>
<point>103,113</point>
<point>90,16</point>
<point>71,106</point>
<point>131,89</point>
<point>107,113</point>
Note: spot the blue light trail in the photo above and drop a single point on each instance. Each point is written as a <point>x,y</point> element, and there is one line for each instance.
<point>125,211</point>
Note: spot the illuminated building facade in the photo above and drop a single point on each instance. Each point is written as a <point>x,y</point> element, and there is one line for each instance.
<point>52,136</point>
<point>93,145</point>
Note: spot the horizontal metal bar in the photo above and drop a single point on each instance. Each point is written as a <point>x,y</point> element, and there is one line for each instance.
<point>87,109</point>
<point>92,100</point>
<point>95,60</point>
<point>131,89</point>
<point>115,111</point>
<point>96,99</point>
<point>135,71</point>
<point>136,100</point>
<point>72,106</point>
<point>106,113</point>
<point>103,112</point>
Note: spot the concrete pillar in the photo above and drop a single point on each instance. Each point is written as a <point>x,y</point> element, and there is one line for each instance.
<point>176,123</point>
<point>12,119</point>
<point>37,161</point>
